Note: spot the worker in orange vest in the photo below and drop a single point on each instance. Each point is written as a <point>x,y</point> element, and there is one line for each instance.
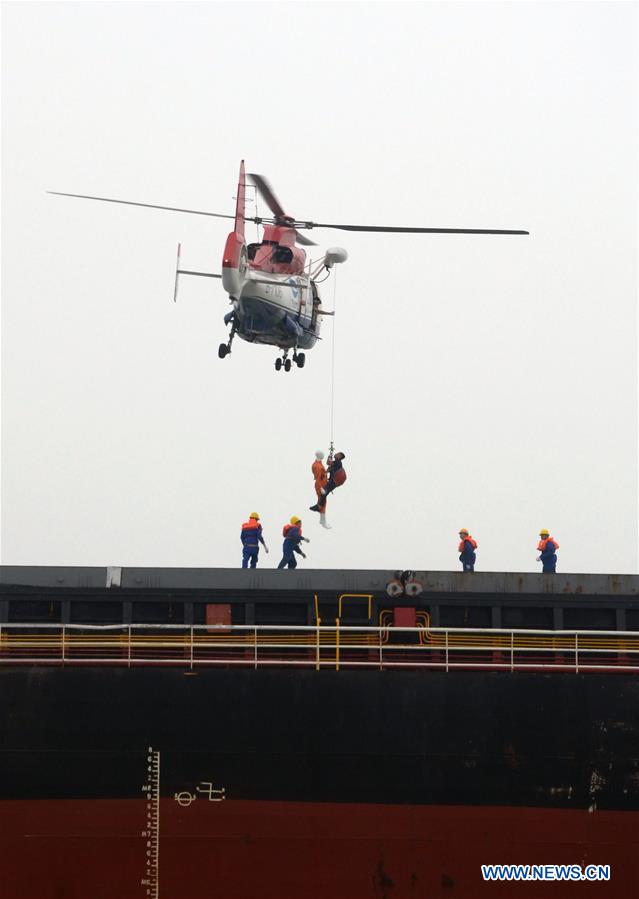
<point>467,547</point>
<point>292,534</point>
<point>251,537</point>
<point>321,480</point>
<point>547,547</point>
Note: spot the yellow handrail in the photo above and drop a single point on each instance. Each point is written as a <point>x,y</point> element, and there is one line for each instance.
<point>368,596</point>
<point>319,645</point>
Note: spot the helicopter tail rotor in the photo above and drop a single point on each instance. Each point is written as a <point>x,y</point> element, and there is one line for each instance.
<point>268,195</point>
<point>281,218</point>
<point>304,241</point>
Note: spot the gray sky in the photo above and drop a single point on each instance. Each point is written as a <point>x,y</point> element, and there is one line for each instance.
<point>485,382</point>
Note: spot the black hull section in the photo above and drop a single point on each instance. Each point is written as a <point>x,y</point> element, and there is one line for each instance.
<point>419,738</point>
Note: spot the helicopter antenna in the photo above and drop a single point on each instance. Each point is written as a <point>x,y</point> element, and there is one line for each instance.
<point>257,213</point>
<point>177,271</point>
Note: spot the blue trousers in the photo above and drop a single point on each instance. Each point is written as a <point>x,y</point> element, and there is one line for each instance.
<point>288,561</point>
<point>249,553</point>
<point>468,561</point>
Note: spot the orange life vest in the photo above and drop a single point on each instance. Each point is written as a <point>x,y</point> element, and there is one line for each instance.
<point>471,540</point>
<point>542,543</point>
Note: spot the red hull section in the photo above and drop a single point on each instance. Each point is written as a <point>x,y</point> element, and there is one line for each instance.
<point>94,849</point>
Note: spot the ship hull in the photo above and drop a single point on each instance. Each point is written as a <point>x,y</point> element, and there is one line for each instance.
<point>279,850</point>
<point>335,784</point>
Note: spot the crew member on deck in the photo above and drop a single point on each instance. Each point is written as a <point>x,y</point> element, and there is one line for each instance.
<point>547,547</point>
<point>292,534</point>
<point>467,547</point>
<point>251,537</point>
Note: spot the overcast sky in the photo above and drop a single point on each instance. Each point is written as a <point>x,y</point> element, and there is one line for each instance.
<point>485,382</point>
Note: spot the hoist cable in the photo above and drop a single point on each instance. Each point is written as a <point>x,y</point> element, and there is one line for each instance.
<point>333,363</point>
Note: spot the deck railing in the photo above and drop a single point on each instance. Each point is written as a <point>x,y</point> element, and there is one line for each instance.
<point>322,646</point>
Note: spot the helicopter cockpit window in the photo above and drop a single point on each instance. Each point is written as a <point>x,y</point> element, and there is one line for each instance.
<point>282,254</point>
<point>252,250</point>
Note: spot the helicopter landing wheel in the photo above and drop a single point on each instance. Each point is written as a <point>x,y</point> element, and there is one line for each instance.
<point>300,359</point>
<point>287,365</point>
<point>278,364</point>
<point>225,348</point>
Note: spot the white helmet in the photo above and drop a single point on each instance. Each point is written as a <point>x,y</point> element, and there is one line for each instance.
<point>319,455</point>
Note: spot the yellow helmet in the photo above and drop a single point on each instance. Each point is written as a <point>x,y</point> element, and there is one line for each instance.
<point>544,532</point>
<point>295,519</point>
<point>255,516</point>
<point>463,531</point>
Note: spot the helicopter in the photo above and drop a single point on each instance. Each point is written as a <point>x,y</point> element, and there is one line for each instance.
<point>273,290</point>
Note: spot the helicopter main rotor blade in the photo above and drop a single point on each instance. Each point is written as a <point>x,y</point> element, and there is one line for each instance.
<point>300,238</point>
<point>304,241</point>
<point>218,215</point>
<point>268,195</point>
<point>398,230</point>
<point>274,205</point>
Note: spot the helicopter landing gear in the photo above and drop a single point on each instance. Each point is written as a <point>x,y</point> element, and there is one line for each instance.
<point>283,363</point>
<point>225,348</point>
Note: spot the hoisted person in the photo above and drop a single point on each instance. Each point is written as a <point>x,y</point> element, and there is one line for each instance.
<point>321,480</point>
<point>336,473</point>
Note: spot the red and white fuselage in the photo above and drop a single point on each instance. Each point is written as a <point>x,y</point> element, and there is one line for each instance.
<point>274,299</point>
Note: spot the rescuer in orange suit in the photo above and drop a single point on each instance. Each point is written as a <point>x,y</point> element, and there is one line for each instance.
<point>321,480</point>
<point>547,547</point>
